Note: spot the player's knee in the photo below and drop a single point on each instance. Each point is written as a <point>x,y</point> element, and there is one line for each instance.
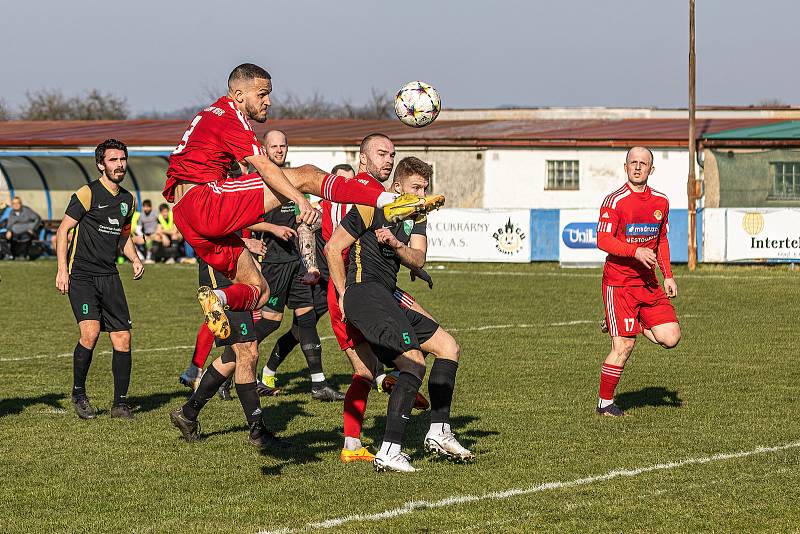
<point>413,361</point>
<point>671,339</point>
<point>121,341</point>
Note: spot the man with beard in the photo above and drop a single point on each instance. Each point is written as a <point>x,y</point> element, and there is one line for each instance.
<point>101,214</point>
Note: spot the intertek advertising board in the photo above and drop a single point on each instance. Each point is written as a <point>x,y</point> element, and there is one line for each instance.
<point>577,245</point>
<point>479,235</point>
<point>762,234</point>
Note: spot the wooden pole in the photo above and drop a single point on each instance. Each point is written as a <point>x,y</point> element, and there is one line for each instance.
<point>691,186</point>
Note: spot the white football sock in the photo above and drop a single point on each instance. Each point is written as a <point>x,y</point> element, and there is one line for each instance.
<point>602,403</point>
<point>268,372</point>
<point>317,377</point>
<point>439,428</point>
<point>389,449</point>
<point>385,198</point>
<point>222,297</point>
<point>352,444</point>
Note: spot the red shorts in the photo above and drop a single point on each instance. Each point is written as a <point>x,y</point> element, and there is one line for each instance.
<point>628,307</point>
<point>346,334</point>
<point>209,215</point>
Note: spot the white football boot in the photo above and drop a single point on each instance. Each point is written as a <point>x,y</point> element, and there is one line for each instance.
<point>445,445</point>
<point>400,462</point>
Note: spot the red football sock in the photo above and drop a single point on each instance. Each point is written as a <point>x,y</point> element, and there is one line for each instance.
<point>241,297</point>
<point>609,378</point>
<point>202,346</point>
<point>355,406</point>
<point>256,316</point>
<point>348,191</point>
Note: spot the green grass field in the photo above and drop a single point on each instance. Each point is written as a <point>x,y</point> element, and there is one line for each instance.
<point>524,403</point>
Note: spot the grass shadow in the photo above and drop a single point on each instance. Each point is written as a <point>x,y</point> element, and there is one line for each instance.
<point>148,403</point>
<point>649,396</point>
<point>18,404</point>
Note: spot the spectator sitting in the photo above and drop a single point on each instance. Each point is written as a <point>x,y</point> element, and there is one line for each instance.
<point>167,234</point>
<point>145,227</point>
<point>21,226</point>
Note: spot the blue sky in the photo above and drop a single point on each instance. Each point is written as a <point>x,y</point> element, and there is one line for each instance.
<point>167,54</point>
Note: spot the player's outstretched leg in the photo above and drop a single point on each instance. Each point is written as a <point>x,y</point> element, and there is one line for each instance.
<point>312,180</point>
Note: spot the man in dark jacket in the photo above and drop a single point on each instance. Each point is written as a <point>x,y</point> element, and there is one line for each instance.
<point>21,226</point>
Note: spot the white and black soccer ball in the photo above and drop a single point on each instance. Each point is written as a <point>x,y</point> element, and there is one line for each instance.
<point>417,104</point>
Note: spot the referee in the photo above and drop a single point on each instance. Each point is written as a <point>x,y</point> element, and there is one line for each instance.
<point>101,214</point>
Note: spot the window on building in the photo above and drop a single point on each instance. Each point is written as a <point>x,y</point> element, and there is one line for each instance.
<point>563,175</point>
<point>785,180</point>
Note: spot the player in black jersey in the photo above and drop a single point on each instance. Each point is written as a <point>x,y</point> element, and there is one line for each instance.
<point>101,214</point>
<point>397,336</point>
<point>290,283</point>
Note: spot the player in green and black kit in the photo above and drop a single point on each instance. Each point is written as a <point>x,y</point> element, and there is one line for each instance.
<point>101,214</point>
<point>398,336</point>
<point>290,284</point>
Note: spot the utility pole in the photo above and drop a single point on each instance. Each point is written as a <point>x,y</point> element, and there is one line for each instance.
<point>691,186</point>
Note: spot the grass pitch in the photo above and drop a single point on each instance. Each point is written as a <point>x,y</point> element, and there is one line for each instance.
<point>524,403</point>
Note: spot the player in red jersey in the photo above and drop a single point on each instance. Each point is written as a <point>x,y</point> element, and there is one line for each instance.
<point>633,230</point>
<point>210,206</point>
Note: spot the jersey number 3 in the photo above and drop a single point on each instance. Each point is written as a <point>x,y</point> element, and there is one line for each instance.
<point>185,138</point>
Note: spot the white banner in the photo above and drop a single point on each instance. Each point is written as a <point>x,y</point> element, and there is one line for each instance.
<point>577,238</point>
<point>763,234</point>
<point>479,235</point>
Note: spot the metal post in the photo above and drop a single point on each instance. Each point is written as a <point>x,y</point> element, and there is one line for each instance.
<point>691,186</point>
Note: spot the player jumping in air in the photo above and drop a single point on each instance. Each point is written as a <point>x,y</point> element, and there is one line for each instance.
<point>397,336</point>
<point>101,214</point>
<point>633,230</point>
<point>210,206</point>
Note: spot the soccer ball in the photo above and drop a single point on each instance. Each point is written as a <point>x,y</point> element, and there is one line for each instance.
<point>417,104</point>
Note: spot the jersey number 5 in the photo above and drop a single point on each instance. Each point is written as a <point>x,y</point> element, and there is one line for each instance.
<point>185,138</point>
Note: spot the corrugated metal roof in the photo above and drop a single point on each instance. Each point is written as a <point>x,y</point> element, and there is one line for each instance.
<point>555,133</point>
<point>779,130</point>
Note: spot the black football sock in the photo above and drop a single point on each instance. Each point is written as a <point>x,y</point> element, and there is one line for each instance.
<point>265,327</point>
<point>209,384</point>
<point>251,402</point>
<point>441,383</point>
<point>81,360</point>
<point>121,369</point>
<point>279,353</point>
<point>399,409</point>
<point>311,346</point>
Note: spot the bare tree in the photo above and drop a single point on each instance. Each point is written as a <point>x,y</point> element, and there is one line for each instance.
<point>5,111</point>
<point>316,106</point>
<point>51,104</point>
<point>771,103</point>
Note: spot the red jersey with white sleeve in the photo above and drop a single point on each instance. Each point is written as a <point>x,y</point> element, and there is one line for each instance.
<point>218,135</point>
<point>629,220</point>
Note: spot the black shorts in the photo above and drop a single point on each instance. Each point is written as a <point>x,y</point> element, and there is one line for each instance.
<point>242,327</point>
<point>389,329</point>
<point>100,298</point>
<point>319,293</point>
<point>285,289</point>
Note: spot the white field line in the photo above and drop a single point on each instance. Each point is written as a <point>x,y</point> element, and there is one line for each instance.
<point>327,338</point>
<point>570,274</point>
<point>414,506</point>
<point>68,354</point>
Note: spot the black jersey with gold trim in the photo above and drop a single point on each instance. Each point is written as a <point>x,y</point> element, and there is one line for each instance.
<point>371,261</point>
<point>102,217</point>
